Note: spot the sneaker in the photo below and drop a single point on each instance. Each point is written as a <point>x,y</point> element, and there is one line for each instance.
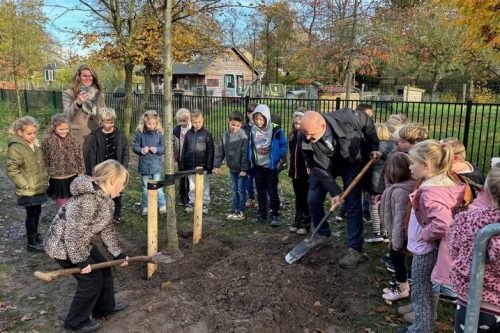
<point>144,211</point>
<point>163,210</point>
<point>392,283</point>
<point>339,218</point>
<point>352,259</point>
<point>398,291</point>
<point>293,228</point>
<point>302,231</point>
<point>205,209</point>
<point>404,309</point>
<point>260,220</point>
<point>238,216</point>
<point>386,238</point>
<point>385,258</point>
<point>390,267</point>
<point>275,221</point>
<point>376,238</point>
<point>189,208</point>
<point>448,295</point>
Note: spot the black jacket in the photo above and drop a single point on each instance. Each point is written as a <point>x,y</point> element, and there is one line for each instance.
<point>298,168</point>
<point>324,162</point>
<point>97,148</point>
<point>198,150</point>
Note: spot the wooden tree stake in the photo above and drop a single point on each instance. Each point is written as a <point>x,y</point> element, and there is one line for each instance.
<point>198,207</point>
<point>152,226</point>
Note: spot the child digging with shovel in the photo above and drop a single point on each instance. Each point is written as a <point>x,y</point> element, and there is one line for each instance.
<point>69,241</point>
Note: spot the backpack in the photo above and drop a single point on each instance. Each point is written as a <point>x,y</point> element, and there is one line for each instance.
<point>347,133</point>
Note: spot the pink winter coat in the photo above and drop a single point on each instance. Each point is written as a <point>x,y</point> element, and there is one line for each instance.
<point>461,239</point>
<point>434,208</point>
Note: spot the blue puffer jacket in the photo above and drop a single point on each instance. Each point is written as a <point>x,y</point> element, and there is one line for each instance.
<point>279,147</point>
<point>149,163</point>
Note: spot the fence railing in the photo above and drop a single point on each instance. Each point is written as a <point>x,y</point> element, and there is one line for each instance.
<point>476,125</point>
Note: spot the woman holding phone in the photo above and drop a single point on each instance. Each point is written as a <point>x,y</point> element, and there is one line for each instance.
<point>82,104</point>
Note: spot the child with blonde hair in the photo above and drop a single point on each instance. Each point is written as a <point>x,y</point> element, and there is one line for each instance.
<point>461,236</point>
<point>26,169</point>
<point>149,144</point>
<point>438,198</point>
<point>460,165</point>
<point>395,121</point>
<point>198,151</point>
<point>69,242</point>
<point>63,158</point>
<point>377,184</point>
<point>109,142</point>
<point>184,125</point>
<point>408,135</point>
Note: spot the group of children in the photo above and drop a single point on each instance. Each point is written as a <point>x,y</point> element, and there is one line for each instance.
<point>414,192</point>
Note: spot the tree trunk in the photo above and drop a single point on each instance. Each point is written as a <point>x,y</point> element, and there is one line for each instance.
<point>436,78</point>
<point>147,87</point>
<point>127,106</point>
<point>173,242</point>
<point>349,69</point>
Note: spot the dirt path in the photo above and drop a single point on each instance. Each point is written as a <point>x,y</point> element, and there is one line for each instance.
<point>219,286</point>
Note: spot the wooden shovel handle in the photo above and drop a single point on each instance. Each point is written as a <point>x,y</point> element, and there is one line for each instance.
<point>49,276</point>
<point>354,182</point>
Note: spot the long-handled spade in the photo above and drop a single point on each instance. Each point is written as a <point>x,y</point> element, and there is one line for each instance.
<point>158,258</point>
<point>308,243</point>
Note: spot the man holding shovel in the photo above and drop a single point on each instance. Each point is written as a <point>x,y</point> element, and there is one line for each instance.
<point>332,147</point>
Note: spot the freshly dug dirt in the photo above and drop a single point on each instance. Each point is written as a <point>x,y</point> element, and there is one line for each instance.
<point>220,285</point>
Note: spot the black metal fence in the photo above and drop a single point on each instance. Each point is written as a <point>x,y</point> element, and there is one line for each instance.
<point>476,125</point>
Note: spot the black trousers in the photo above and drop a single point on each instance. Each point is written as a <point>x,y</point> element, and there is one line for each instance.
<point>398,260</point>
<point>118,206</point>
<point>266,182</point>
<point>32,218</point>
<point>95,293</point>
<point>183,190</point>
<point>301,189</point>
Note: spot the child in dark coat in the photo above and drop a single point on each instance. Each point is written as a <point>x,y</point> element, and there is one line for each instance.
<point>109,142</point>
<point>300,178</point>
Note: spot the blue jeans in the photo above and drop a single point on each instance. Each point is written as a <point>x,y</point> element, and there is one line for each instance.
<point>352,203</point>
<point>161,195</point>
<point>250,188</point>
<point>239,184</point>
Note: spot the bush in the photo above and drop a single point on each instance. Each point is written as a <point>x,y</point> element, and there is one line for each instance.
<point>484,95</point>
<point>8,113</point>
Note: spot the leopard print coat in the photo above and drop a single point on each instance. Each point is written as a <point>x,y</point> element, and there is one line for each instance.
<point>63,156</point>
<point>87,214</point>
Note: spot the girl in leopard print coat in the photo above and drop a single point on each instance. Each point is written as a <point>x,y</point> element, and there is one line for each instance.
<point>87,214</point>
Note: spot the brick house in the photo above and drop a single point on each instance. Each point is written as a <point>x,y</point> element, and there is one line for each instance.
<point>226,74</point>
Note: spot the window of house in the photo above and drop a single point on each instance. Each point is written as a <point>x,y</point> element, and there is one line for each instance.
<point>212,83</point>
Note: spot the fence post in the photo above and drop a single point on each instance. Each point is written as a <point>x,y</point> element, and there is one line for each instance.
<point>54,100</point>
<point>247,101</point>
<point>2,94</point>
<point>26,101</point>
<point>337,103</point>
<point>468,114</point>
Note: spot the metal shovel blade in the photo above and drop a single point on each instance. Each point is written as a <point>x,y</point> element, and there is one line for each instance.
<point>299,250</point>
<point>161,258</point>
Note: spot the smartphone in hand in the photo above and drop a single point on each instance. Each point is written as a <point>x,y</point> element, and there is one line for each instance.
<point>84,89</point>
